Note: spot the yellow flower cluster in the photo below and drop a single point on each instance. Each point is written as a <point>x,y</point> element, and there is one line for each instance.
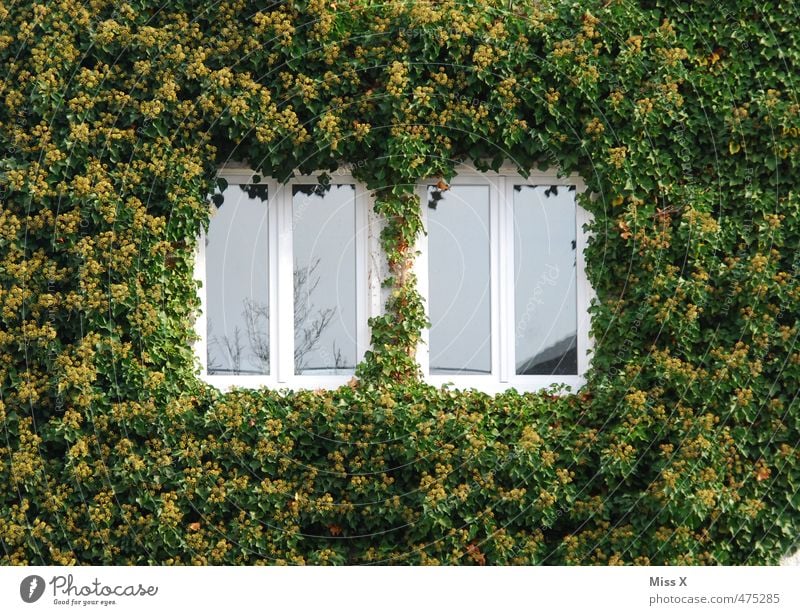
<point>433,489</point>
<point>530,440</point>
<point>617,156</point>
<point>398,79</point>
<point>484,56</point>
<point>279,21</point>
<point>563,48</point>
<point>637,400</point>
<point>595,127</point>
<point>644,107</point>
<point>506,89</point>
<point>634,43</point>
<point>330,130</point>
<point>589,25</point>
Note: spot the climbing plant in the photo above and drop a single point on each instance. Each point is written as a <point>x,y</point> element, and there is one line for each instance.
<point>682,448</point>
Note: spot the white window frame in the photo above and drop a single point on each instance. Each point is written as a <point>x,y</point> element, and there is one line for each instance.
<point>371,270</point>
<point>502,305</point>
<point>281,281</point>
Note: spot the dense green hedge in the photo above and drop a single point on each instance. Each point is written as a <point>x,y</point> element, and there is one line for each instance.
<point>682,118</point>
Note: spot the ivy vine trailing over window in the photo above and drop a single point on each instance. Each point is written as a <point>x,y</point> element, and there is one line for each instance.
<point>682,448</point>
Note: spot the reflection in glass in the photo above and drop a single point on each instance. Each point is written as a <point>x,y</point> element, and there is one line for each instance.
<point>237,283</point>
<point>545,300</point>
<point>459,280</point>
<point>324,235</point>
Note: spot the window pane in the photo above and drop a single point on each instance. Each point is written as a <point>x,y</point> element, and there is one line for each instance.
<point>237,283</point>
<point>459,280</point>
<point>544,280</point>
<point>324,236</point>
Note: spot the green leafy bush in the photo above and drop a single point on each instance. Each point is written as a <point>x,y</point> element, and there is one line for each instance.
<point>682,447</point>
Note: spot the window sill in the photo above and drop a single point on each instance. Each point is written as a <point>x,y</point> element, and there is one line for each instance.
<point>226,383</point>
<point>484,384</point>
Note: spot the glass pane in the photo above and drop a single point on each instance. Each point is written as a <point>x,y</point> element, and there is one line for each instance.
<point>237,283</point>
<point>324,236</point>
<point>544,280</point>
<point>459,280</point>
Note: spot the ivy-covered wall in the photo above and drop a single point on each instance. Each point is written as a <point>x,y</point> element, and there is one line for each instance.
<point>683,120</point>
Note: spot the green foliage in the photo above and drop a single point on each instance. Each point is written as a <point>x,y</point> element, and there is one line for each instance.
<point>682,447</point>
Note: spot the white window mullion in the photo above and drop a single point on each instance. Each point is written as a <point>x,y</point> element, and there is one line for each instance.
<point>506,281</point>
<point>495,234</point>
<point>274,275</point>
<point>421,271</point>
<point>376,268</point>
<point>285,287</point>
<point>363,294</point>
<point>585,292</point>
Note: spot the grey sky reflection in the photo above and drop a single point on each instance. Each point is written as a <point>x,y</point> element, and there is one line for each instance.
<point>459,282</point>
<point>324,236</point>
<point>545,300</point>
<point>237,271</point>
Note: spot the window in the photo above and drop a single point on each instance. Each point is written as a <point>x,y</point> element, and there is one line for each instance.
<point>459,289</point>
<point>285,290</point>
<point>324,244</point>
<point>501,266</point>
<point>290,274</point>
